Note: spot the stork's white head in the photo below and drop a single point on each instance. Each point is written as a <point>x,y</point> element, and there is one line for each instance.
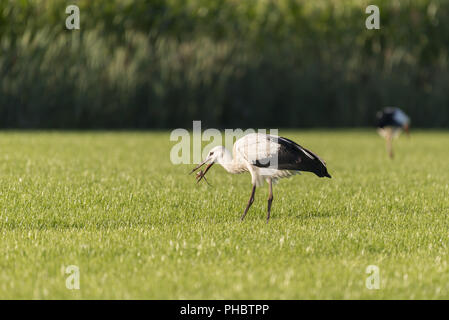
<point>216,154</point>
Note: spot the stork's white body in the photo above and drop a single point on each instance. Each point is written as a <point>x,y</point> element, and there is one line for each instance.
<point>391,122</point>
<point>266,157</point>
<point>249,149</point>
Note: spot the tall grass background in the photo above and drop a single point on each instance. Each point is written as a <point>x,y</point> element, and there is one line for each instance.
<point>272,63</point>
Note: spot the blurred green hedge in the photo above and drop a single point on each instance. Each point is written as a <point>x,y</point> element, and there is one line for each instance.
<point>266,63</point>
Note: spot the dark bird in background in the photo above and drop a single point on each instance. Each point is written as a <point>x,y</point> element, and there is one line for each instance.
<point>266,157</point>
<point>390,123</point>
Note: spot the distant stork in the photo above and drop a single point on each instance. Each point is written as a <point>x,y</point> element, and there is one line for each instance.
<point>266,157</point>
<point>390,122</point>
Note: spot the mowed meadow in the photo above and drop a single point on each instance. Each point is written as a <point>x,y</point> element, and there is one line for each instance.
<point>139,227</point>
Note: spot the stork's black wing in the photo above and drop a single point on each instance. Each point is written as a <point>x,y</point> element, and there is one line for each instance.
<point>291,156</point>
<point>385,118</point>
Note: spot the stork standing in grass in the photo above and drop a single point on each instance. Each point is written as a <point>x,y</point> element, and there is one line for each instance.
<point>390,123</point>
<point>266,157</point>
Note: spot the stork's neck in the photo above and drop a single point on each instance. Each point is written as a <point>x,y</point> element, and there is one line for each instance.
<point>228,162</point>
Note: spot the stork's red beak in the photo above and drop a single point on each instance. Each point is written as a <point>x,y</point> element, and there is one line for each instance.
<point>198,166</point>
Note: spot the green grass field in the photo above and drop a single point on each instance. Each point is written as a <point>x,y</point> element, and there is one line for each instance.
<point>139,227</point>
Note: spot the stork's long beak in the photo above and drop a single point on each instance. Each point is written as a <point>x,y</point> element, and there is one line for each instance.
<point>199,166</point>
<point>202,174</point>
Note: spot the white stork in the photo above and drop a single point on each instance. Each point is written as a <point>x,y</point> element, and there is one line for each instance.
<point>266,157</point>
<point>390,122</point>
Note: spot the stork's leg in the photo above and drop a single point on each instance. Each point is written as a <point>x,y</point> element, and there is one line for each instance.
<point>250,202</point>
<point>270,198</point>
<point>390,144</point>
